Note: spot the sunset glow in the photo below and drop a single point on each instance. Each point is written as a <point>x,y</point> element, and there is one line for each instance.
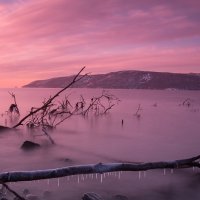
<point>51,38</point>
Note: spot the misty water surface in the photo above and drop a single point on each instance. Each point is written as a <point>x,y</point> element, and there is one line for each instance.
<point>166,130</point>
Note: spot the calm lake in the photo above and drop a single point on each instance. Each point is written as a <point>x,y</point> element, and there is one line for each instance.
<point>166,130</point>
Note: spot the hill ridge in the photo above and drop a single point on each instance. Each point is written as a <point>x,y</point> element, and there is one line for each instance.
<point>127,79</point>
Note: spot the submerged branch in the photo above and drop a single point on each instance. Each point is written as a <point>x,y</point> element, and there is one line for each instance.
<point>49,137</point>
<point>17,176</point>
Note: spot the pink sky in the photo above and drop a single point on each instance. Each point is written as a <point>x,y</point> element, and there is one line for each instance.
<point>40,39</point>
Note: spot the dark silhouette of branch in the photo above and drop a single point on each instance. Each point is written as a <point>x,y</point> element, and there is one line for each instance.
<point>137,114</point>
<point>17,176</point>
<point>13,192</point>
<point>49,137</point>
<point>76,78</point>
<point>102,104</point>
<point>66,117</point>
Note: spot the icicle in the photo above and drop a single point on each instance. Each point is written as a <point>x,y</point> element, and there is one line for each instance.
<point>144,174</point>
<point>139,175</point>
<point>92,176</point>
<point>86,176</point>
<point>172,171</point>
<point>48,182</point>
<point>164,172</point>
<point>96,176</point>
<point>58,181</point>
<point>115,173</point>
<point>119,175</point>
<point>101,178</point>
<point>82,177</point>
<point>104,175</point>
<point>78,179</point>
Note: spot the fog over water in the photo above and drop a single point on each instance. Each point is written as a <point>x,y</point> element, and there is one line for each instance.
<point>166,130</point>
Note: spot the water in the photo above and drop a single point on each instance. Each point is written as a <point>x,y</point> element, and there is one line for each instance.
<point>165,130</point>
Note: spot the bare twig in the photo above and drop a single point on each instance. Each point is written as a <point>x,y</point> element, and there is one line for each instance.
<point>49,137</point>
<point>101,104</point>
<point>137,113</point>
<point>17,176</point>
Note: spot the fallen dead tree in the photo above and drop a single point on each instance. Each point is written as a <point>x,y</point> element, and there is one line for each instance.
<point>17,176</point>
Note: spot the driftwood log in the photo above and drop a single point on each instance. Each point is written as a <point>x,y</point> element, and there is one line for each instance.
<point>17,176</point>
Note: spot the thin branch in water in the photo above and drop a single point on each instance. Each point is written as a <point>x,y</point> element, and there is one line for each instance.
<point>49,137</point>
<point>102,104</point>
<point>137,113</point>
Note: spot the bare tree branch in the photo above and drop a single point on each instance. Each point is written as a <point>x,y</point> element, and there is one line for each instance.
<point>49,101</point>
<point>17,176</point>
<point>102,104</point>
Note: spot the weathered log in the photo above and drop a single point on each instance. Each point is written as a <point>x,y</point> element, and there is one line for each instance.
<point>16,176</point>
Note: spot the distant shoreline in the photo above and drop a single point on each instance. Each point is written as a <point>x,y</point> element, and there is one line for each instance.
<point>126,80</point>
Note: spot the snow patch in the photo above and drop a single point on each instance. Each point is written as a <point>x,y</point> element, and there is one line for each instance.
<point>145,78</point>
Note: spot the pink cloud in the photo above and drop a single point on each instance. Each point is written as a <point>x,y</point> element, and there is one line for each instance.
<point>41,39</point>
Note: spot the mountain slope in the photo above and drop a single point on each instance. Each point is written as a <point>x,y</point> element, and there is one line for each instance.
<point>127,80</point>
